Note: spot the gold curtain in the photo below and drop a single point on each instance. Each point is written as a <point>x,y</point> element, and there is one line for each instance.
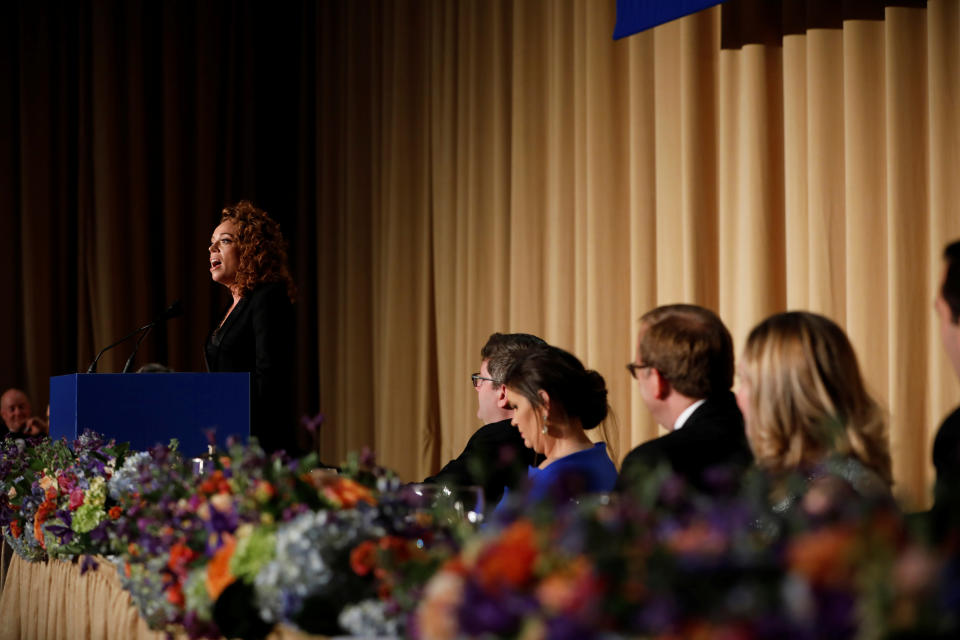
<point>517,170</point>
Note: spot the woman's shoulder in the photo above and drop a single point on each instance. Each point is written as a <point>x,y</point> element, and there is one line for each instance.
<point>593,460</point>
<point>272,293</point>
<point>862,480</point>
<point>833,481</point>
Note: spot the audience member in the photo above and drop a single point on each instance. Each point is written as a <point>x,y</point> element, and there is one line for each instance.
<point>684,368</point>
<point>495,456</point>
<point>18,415</point>
<point>946,445</point>
<point>555,401</point>
<point>807,411</point>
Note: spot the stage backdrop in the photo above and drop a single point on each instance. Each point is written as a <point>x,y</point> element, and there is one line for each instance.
<point>445,170</point>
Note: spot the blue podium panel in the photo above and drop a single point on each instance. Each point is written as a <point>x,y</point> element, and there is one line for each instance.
<point>146,409</point>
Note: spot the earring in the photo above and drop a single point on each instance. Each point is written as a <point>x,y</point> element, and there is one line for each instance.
<point>543,427</point>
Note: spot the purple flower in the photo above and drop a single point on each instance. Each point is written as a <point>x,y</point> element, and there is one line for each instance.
<point>64,534</point>
<point>314,423</point>
<point>88,564</point>
<point>563,628</point>
<point>499,614</point>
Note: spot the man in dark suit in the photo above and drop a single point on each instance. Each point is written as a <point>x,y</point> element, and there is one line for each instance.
<point>495,456</point>
<point>946,445</point>
<point>684,367</point>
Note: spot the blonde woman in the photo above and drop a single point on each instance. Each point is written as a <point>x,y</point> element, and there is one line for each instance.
<point>806,409</point>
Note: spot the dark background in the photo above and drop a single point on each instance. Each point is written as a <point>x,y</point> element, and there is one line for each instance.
<point>127,126</point>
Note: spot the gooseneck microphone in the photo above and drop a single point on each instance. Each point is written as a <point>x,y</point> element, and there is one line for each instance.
<point>174,310</point>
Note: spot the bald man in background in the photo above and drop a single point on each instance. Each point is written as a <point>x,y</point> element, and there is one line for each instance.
<point>17,415</point>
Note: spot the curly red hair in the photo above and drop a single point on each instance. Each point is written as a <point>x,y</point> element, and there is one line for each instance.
<point>262,249</point>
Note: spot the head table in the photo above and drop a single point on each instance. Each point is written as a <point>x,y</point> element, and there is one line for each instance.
<point>52,601</point>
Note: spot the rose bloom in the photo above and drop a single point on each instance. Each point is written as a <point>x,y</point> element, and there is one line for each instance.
<point>509,560</point>
<point>76,499</point>
<point>46,482</point>
<point>437,613</point>
<point>824,557</point>
<point>363,558</point>
<point>570,589</point>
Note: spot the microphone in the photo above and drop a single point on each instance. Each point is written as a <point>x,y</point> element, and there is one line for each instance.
<point>174,310</point>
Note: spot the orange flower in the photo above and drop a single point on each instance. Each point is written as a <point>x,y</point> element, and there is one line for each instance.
<point>825,556</point>
<point>264,491</point>
<point>38,532</point>
<point>570,588</point>
<point>115,512</point>
<point>180,556</point>
<point>346,493</point>
<point>215,483</point>
<point>15,529</point>
<point>385,588</point>
<point>509,561</point>
<point>48,506</point>
<point>175,594</point>
<point>363,558</point>
<point>399,548</point>
<point>218,571</point>
<point>698,538</point>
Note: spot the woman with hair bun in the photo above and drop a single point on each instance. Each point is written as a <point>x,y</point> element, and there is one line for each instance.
<point>555,401</point>
<point>248,256</point>
<point>806,408</point>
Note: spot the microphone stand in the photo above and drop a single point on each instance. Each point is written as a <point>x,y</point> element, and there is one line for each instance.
<point>172,311</point>
<point>126,367</point>
<point>93,365</point>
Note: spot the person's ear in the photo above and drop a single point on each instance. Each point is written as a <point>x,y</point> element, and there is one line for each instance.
<point>661,385</point>
<point>545,399</point>
<point>502,396</point>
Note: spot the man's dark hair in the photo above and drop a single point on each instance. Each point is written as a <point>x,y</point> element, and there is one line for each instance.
<point>502,349</point>
<point>951,281</point>
<point>690,347</point>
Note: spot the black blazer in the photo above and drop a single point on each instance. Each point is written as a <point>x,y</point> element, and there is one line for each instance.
<point>946,461</point>
<point>257,337</point>
<point>712,436</point>
<point>495,457</point>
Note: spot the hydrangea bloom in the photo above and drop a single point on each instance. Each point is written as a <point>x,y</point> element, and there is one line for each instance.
<point>370,618</point>
<point>305,547</point>
<point>126,480</point>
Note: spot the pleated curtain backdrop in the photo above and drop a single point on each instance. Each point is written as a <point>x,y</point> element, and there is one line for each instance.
<point>529,174</point>
<point>445,170</point>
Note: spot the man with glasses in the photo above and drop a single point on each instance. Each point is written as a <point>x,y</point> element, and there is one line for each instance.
<point>684,366</point>
<point>495,456</point>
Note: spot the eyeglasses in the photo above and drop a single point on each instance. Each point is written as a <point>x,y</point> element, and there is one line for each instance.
<point>476,378</point>
<point>633,367</point>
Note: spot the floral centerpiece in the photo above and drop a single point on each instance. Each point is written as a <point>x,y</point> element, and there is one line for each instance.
<point>54,498</point>
<point>668,562</point>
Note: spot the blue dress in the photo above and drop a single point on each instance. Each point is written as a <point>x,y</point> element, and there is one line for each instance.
<point>587,471</point>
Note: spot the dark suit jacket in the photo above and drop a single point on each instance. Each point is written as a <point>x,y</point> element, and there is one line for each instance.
<point>712,436</point>
<point>495,457</point>
<point>946,460</point>
<point>257,337</point>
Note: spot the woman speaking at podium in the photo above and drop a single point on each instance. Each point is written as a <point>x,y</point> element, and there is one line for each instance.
<point>256,332</point>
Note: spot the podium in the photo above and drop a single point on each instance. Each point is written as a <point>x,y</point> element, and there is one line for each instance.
<point>146,409</point>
